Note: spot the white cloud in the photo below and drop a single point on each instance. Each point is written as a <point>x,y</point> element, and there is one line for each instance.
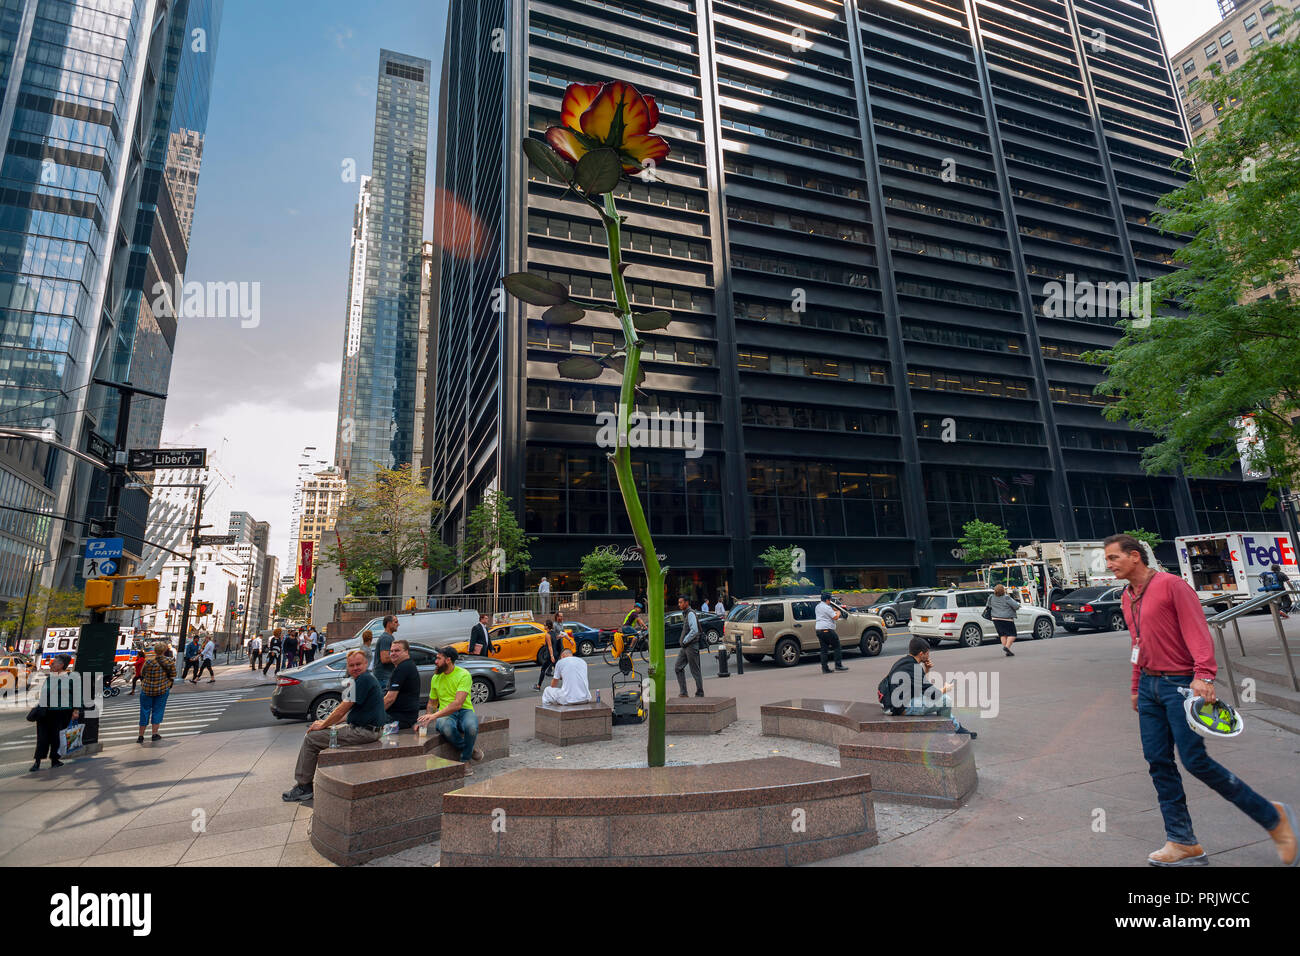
<point>324,375</point>
<point>258,445</point>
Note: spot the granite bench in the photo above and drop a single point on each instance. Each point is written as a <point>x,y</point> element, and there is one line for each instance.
<point>493,740</point>
<point>699,715</point>
<point>565,724</point>
<point>832,722</point>
<point>771,811</point>
<point>927,769</point>
<point>377,807</point>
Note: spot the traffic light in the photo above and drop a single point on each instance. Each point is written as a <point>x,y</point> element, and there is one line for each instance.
<point>141,592</point>
<point>99,592</point>
<point>204,608</point>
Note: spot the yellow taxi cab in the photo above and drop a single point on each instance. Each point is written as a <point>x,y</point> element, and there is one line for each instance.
<point>14,670</point>
<point>517,643</point>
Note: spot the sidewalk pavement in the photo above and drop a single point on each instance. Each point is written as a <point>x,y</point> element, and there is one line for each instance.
<point>1062,781</point>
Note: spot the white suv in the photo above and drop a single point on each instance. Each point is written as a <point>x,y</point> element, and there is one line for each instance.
<point>958,615</point>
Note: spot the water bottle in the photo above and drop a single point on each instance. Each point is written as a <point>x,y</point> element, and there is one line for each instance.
<point>598,696</point>
<point>334,738</point>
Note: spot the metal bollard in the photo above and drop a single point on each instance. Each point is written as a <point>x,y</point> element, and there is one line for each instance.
<point>722,661</point>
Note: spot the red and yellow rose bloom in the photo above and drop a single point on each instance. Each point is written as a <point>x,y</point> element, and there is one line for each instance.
<point>611,115</point>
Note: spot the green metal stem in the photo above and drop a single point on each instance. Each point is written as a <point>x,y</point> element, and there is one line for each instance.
<point>622,458</point>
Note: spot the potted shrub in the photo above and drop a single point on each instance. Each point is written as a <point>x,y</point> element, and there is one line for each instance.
<point>600,574</point>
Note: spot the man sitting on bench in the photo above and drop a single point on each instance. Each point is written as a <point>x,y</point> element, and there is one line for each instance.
<point>569,686</point>
<point>906,691</point>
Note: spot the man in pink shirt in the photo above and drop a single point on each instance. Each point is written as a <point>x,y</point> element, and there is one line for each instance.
<point>1171,650</point>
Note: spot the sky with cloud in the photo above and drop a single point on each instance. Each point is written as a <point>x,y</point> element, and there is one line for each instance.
<point>293,101</point>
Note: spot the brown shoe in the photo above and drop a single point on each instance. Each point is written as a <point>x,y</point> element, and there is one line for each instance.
<point>1284,835</point>
<point>477,756</point>
<point>1179,854</point>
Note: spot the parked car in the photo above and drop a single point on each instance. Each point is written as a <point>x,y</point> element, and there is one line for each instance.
<point>710,627</point>
<point>1099,608</point>
<point>586,639</point>
<point>313,690</point>
<point>785,628</point>
<point>896,607</point>
<point>517,643</point>
<point>958,615</point>
<point>435,628</point>
<point>16,669</point>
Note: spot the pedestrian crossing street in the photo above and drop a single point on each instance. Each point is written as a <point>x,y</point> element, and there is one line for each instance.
<point>186,715</point>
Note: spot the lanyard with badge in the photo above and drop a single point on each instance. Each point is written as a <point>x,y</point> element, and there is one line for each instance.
<point>1135,611</point>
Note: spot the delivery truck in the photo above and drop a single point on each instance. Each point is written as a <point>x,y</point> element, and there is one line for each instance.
<point>1044,570</point>
<point>1228,564</point>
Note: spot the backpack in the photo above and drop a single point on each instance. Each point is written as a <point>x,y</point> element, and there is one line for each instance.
<point>887,682</point>
<point>1268,582</point>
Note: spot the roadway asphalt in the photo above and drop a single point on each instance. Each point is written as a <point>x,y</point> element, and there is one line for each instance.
<point>240,698</point>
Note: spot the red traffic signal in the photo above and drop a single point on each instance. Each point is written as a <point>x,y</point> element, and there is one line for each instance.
<point>204,608</point>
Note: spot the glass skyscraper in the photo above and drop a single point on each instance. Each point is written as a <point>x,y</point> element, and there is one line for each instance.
<point>380,374</point>
<point>858,233</point>
<point>99,97</point>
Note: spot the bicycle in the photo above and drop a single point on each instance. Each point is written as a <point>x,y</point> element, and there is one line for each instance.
<point>639,645</point>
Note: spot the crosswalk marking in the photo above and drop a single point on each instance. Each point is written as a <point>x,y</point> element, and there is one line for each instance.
<point>185,715</point>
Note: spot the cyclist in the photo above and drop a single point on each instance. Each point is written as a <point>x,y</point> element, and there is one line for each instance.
<point>630,624</point>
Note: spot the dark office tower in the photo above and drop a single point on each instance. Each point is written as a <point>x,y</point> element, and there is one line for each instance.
<point>381,420</point>
<point>97,101</point>
<point>882,233</point>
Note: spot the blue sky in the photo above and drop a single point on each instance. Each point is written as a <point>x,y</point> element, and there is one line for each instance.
<point>293,97</point>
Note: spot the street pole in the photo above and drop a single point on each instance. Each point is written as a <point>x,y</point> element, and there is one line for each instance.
<point>189,578</point>
<point>31,581</point>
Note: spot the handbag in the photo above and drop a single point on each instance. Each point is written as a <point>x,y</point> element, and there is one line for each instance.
<point>70,738</point>
<point>988,614</point>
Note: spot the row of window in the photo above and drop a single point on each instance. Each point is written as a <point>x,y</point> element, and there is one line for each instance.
<point>1101,441</point>
<point>777,174</point>
<point>569,338</point>
<point>640,293</point>
<point>813,142</point>
<point>1079,395</point>
<point>924,246</point>
<point>819,317</point>
<point>963,429</point>
<point>817,271</point>
<point>915,167</point>
<point>727,78</point>
<point>894,201</point>
<point>959,337</point>
<point>782,363</point>
<point>561,227</point>
<point>563,398</point>
<point>959,294</point>
<point>782,51</point>
<point>667,104</point>
<point>805,417</point>
<point>601,44</point>
<point>896,124</point>
<point>967,383</point>
<point>813,225</point>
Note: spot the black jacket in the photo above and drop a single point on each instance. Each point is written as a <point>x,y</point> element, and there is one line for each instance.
<point>905,682</point>
<point>479,635</point>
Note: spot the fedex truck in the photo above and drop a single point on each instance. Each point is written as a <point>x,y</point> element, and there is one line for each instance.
<point>1228,565</point>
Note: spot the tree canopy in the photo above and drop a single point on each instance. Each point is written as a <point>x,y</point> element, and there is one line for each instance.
<point>1224,343</point>
<point>490,526</point>
<point>983,541</point>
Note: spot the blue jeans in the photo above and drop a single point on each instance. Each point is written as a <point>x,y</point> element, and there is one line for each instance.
<point>941,707</point>
<point>1163,724</point>
<point>151,708</point>
<point>460,729</point>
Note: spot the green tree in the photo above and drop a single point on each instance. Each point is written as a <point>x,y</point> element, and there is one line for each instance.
<point>781,561</point>
<point>1227,349</point>
<point>385,525</point>
<point>1150,537</point>
<point>363,580</point>
<point>292,605</point>
<point>48,607</point>
<point>490,526</point>
<point>601,570</point>
<point>983,541</point>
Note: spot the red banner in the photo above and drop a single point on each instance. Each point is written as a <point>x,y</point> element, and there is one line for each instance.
<point>304,565</point>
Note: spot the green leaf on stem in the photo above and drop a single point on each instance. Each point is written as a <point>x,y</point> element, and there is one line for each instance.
<point>580,367</point>
<point>535,289</point>
<point>651,321</point>
<point>566,313</point>
<point>598,171</point>
<point>615,360</point>
<point>548,160</point>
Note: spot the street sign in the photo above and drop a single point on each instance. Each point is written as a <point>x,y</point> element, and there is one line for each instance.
<point>100,447</point>
<point>214,539</point>
<point>103,555</point>
<point>151,459</point>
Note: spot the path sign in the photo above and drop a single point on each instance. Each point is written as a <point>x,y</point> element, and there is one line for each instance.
<point>151,459</point>
<point>214,539</point>
<point>103,555</point>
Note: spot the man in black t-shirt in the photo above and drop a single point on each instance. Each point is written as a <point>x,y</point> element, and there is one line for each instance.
<point>402,695</point>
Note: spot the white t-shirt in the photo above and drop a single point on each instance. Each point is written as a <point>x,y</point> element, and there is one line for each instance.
<point>572,673</point>
<point>544,587</point>
<point>825,617</point>
<point>208,650</point>
<point>719,609</point>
